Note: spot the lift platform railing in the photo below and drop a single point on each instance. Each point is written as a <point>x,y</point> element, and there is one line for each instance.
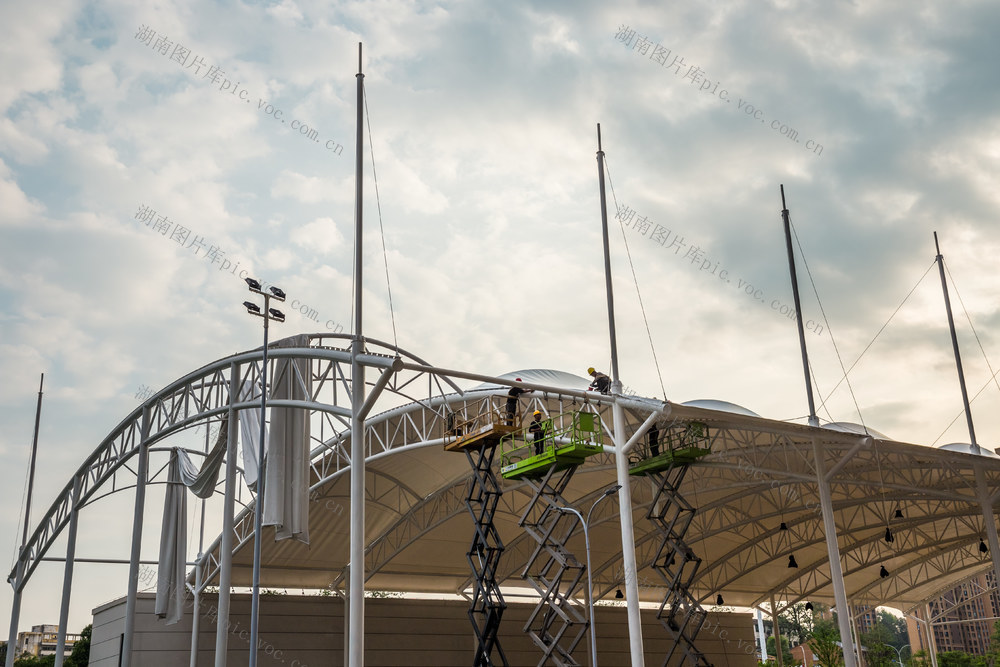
<point>565,438</point>
<point>679,443</point>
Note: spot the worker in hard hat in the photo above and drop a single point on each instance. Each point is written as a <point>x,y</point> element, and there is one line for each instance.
<point>537,430</point>
<point>511,407</point>
<point>601,383</point>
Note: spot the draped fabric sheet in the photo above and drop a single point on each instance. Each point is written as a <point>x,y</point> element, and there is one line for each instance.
<point>250,433</point>
<point>202,482</point>
<point>173,547</point>
<point>182,474</point>
<point>286,492</point>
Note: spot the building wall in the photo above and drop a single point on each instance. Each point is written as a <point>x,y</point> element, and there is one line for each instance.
<point>304,631</point>
<point>960,630</point>
<point>43,640</point>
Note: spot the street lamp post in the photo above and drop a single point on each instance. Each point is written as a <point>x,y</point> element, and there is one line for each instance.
<point>899,652</point>
<point>268,314</point>
<point>590,583</point>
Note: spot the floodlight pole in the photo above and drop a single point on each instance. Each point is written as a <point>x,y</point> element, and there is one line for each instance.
<point>621,459</point>
<point>259,502</point>
<point>356,584</point>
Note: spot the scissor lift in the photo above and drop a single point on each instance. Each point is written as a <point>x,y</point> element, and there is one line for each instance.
<point>478,437</point>
<point>670,512</point>
<point>559,621</point>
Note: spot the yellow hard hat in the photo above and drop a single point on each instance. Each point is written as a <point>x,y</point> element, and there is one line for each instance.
<point>538,413</point>
<point>590,371</point>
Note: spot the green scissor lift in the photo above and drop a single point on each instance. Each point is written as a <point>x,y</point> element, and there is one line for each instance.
<point>563,448</point>
<point>666,463</point>
<point>559,621</point>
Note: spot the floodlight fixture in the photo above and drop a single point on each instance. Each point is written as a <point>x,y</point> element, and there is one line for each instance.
<point>252,307</point>
<point>278,293</point>
<point>254,285</point>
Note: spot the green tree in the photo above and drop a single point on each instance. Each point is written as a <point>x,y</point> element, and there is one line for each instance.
<point>895,626</point>
<point>786,654</point>
<point>81,650</point>
<point>992,657</point>
<point>879,651</point>
<point>824,644</point>
<point>28,660</point>
<point>919,659</point>
<point>954,659</point>
<point>796,623</point>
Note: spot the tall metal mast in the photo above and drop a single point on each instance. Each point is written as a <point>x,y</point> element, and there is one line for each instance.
<point>813,420</point>
<point>983,490</point>
<point>356,583</point>
<point>18,582</point>
<point>621,459</point>
<point>31,464</point>
<point>954,342</point>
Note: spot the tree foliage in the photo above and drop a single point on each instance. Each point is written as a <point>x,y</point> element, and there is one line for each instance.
<point>786,653</point>
<point>954,659</point>
<point>824,644</point>
<point>80,657</point>
<point>880,652</point>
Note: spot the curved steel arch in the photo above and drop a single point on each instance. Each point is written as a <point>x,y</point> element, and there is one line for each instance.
<point>195,397</point>
<point>414,425</point>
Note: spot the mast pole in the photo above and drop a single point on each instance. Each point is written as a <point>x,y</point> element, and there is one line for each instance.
<point>18,582</point>
<point>356,585</point>
<point>813,420</point>
<point>31,464</point>
<point>607,261</point>
<point>954,342</point>
<point>621,460</point>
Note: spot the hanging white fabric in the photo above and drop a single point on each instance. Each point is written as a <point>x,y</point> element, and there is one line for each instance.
<point>202,482</point>
<point>250,432</point>
<point>286,493</point>
<point>173,547</point>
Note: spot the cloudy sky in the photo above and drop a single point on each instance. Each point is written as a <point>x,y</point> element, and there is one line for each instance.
<point>149,154</point>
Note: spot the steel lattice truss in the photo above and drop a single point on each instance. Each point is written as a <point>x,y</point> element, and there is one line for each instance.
<point>760,473</point>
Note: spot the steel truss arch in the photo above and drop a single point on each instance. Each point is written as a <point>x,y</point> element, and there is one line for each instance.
<point>197,397</point>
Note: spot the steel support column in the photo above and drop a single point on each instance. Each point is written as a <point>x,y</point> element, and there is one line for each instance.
<point>833,554</point>
<point>776,631</point>
<point>931,639</point>
<point>989,520</point>
<point>226,545</point>
<point>137,516</point>
<point>68,575</point>
<point>15,613</point>
<point>195,612</point>
<point>628,534</point>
